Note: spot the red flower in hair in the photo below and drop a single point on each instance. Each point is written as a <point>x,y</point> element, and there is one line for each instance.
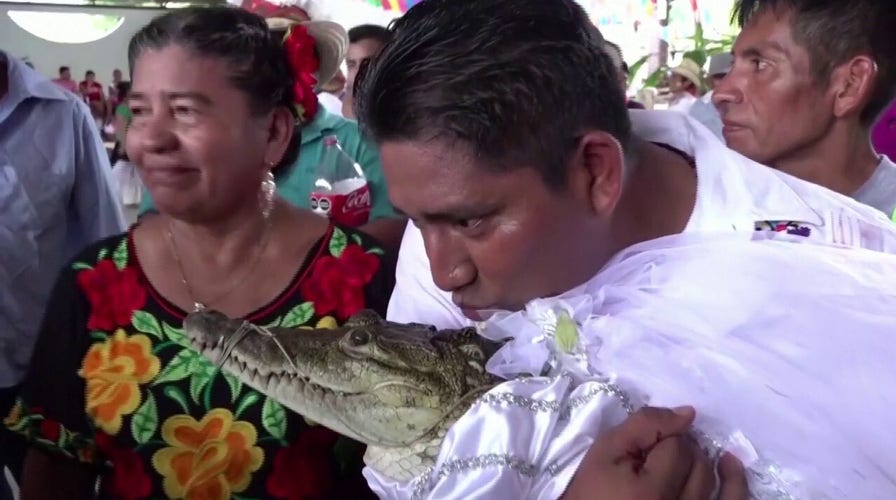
<point>303,62</point>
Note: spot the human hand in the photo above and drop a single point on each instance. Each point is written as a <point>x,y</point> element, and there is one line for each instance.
<point>651,456</point>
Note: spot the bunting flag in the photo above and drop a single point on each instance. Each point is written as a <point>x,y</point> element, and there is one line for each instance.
<point>395,5</point>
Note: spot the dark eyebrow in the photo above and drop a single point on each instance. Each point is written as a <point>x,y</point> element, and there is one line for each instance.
<point>767,46</point>
<point>450,214</point>
<point>196,96</point>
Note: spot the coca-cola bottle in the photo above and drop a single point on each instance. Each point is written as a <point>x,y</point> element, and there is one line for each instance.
<point>340,189</point>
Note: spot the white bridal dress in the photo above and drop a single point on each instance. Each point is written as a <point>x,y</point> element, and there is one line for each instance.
<point>787,351</point>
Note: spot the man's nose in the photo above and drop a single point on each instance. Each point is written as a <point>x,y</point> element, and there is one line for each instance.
<point>727,91</point>
<point>449,261</point>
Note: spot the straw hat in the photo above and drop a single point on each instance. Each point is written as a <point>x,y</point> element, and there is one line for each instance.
<point>690,70</point>
<point>331,39</point>
<point>330,43</point>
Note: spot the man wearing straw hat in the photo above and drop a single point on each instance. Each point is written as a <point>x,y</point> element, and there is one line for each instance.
<point>686,84</point>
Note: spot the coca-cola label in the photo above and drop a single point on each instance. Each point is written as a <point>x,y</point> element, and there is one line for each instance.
<point>351,209</point>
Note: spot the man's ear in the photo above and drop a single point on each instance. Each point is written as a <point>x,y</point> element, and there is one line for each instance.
<point>597,170</point>
<point>853,83</point>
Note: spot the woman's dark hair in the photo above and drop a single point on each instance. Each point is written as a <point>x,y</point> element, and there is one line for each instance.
<point>256,57</point>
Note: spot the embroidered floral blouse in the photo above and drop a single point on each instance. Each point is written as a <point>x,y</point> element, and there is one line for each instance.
<point>115,384</point>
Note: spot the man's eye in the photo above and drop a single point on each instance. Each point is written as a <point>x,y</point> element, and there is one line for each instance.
<point>468,223</point>
<point>758,64</point>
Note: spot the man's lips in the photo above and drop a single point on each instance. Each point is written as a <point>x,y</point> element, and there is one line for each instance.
<point>731,126</point>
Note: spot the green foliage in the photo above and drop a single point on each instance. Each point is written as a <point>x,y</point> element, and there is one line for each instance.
<point>701,50</point>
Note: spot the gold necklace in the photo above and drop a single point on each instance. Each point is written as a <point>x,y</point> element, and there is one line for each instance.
<point>199,305</point>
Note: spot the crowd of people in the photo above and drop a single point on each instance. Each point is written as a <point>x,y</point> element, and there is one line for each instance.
<point>506,165</point>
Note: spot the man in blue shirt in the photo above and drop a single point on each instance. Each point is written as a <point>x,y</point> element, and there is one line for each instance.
<point>56,196</point>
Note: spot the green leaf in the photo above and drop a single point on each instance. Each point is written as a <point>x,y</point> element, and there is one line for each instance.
<point>273,418</point>
<point>23,423</point>
<point>64,437</point>
<point>654,79</point>
<point>175,335</point>
<point>178,368</point>
<point>338,242</point>
<point>274,323</point>
<point>80,266</point>
<point>145,420</point>
<point>376,251</point>
<point>357,239</point>
<point>98,335</point>
<point>235,385</point>
<point>202,374</point>
<point>120,255</point>
<point>145,322</point>
<point>298,315</point>
<point>248,400</point>
<point>172,392</point>
<point>102,255</point>
<point>635,67</point>
<point>566,333</point>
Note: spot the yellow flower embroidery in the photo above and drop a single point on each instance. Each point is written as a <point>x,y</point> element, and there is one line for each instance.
<point>210,459</point>
<point>114,371</point>
<point>327,322</point>
<point>15,414</point>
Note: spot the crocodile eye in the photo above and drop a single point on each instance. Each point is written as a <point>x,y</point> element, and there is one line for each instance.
<point>359,338</point>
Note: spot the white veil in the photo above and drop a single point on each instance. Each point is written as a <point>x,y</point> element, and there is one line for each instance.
<point>788,352</point>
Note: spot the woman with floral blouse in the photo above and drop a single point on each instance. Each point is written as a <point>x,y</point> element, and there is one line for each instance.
<point>115,390</point>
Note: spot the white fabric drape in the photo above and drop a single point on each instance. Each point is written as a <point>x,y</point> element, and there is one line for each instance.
<point>787,352</point>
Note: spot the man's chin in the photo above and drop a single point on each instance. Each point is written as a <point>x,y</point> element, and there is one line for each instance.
<point>484,314</point>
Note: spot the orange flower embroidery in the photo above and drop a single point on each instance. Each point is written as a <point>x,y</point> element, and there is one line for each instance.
<point>114,371</point>
<point>210,459</point>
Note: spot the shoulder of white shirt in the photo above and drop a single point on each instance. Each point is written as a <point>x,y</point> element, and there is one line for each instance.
<point>734,191</point>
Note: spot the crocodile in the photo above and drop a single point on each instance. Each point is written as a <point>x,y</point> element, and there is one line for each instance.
<point>396,388</point>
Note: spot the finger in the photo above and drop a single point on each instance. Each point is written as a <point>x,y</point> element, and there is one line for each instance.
<point>701,482</point>
<point>734,479</point>
<point>668,465</point>
<point>648,426</point>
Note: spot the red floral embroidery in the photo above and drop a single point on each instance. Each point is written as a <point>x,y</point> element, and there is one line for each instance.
<point>50,430</point>
<point>337,283</point>
<point>114,295</point>
<point>303,471</point>
<point>128,481</point>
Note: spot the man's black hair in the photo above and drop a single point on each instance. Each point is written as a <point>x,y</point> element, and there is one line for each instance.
<point>369,32</point>
<point>833,32</point>
<point>515,83</point>
<point>63,69</point>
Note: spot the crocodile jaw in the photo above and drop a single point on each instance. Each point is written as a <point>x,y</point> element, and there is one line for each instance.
<point>406,463</point>
<point>403,463</point>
